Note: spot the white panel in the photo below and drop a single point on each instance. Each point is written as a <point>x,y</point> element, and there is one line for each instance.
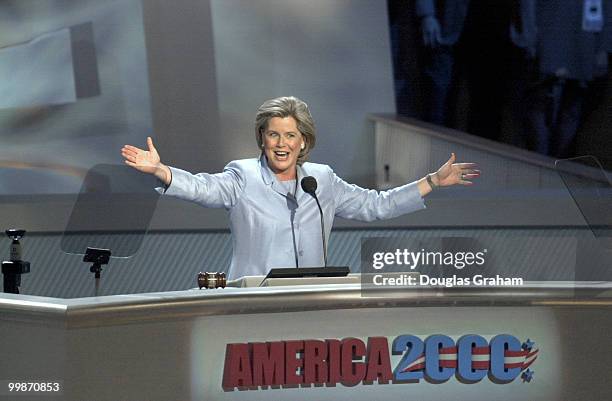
<point>40,72</point>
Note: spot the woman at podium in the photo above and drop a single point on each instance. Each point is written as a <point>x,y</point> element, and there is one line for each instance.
<point>274,216</point>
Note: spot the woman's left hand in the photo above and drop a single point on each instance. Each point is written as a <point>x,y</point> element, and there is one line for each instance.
<point>452,173</point>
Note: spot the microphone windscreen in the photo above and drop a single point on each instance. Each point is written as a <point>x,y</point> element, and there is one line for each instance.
<point>309,185</point>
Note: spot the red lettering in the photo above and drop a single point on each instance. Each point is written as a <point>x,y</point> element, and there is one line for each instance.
<point>293,362</point>
<point>315,363</point>
<point>237,372</point>
<point>378,360</point>
<point>352,372</point>
<point>268,363</point>
<point>333,362</point>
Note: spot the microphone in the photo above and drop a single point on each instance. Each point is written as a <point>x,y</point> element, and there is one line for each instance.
<point>309,185</point>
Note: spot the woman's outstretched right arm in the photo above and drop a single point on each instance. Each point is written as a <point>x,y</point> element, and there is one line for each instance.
<point>209,190</point>
<point>147,161</point>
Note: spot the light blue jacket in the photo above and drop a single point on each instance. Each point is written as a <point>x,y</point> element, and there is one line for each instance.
<point>269,227</point>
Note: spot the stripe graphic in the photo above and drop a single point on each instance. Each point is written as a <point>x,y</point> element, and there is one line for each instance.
<point>481,358</point>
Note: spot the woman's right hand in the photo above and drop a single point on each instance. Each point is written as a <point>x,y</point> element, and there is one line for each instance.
<point>147,161</point>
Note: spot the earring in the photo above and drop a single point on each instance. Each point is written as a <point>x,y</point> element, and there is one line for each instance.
<point>303,146</point>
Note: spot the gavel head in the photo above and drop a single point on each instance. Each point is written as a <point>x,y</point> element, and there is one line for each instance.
<point>210,280</point>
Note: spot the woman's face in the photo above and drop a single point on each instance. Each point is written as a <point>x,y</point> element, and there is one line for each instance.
<point>282,143</point>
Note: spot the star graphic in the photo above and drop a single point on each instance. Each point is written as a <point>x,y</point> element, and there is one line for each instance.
<point>527,376</point>
<point>528,345</point>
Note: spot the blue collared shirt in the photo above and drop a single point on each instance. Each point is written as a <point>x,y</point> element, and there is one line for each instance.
<point>271,228</point>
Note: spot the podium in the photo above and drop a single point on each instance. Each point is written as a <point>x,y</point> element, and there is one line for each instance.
<point>187,345</point>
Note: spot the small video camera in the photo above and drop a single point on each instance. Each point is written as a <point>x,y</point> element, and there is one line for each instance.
<point>13,269</point>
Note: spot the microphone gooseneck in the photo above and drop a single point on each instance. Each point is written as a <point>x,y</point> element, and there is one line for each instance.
<point>309,185</point>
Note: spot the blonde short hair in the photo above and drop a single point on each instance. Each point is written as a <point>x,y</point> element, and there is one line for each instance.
<point>282,107</point>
